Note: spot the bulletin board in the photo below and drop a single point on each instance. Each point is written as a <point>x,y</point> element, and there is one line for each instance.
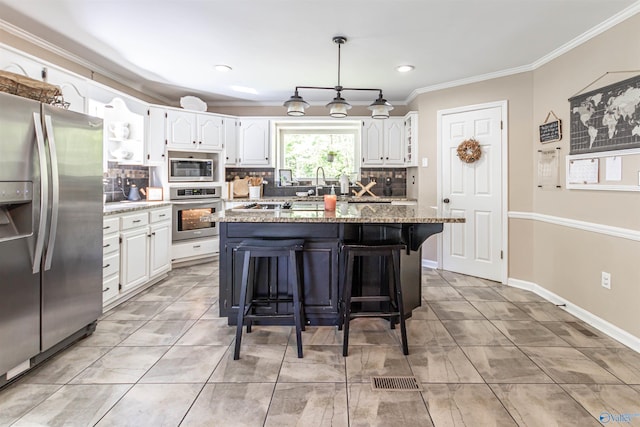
<point>617,170</point>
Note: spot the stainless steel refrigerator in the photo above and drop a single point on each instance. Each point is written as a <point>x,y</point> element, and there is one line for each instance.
<point>50,230</point>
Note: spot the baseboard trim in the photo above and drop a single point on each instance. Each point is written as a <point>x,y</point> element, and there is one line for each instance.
<point>429,263</point>
<point>600,324</point>
<point>624,233</point>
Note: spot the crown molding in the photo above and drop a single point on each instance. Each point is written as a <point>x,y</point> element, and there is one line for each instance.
<point>468,80</point>
<point>572,44</point>
<point>65,54</point>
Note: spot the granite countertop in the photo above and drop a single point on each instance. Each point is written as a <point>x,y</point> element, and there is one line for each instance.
<point>121,207</point>
<point>314,212</point>
<point>350,199</point>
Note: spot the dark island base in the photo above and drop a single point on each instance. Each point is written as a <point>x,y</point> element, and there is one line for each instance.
<point>322,265</point>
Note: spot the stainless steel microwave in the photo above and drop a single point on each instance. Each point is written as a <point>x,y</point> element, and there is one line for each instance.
<point>191,170</point>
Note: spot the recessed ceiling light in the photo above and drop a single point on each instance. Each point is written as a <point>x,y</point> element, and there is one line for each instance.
<point>405,68</point>
<point>244,89</point>
<point>223,68</point>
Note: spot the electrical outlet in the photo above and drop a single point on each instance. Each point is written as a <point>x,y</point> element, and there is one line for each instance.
<point>606,280</point>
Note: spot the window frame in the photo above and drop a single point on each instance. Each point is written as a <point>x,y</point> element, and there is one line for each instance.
<point>319,127</point>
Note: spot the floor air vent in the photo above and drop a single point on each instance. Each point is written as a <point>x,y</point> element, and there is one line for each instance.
<point>395,384</point>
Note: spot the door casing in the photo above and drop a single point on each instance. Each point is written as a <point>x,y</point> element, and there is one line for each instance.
<point>504,175</point>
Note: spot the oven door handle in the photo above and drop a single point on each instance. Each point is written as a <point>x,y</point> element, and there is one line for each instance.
<point>195,202</point>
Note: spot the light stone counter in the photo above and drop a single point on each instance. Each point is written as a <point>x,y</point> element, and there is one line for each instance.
<point>122,207</point>
<point>313,212</point>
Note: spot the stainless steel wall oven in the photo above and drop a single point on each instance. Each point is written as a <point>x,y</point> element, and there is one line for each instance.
<point>191,203</point>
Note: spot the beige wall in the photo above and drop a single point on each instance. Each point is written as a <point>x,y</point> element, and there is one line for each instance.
<point>517,90</point>
<point>563,260</point>
<point>569,262</point>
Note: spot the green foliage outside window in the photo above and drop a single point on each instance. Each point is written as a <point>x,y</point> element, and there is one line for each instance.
<point>304,152</point>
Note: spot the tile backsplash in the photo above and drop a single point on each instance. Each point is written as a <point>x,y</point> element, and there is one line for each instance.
<point>389,181</point>
<point>118,179</point>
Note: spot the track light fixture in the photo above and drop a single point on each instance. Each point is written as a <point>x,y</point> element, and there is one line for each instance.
<point>338,106</point>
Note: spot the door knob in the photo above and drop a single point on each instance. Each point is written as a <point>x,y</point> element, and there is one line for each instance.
<point>446,200</point>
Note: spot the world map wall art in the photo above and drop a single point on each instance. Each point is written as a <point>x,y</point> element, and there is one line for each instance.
<point>606,119</point>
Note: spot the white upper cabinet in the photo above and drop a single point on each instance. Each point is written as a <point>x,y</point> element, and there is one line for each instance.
<point>181,130</point>
<point>372,142</point>
<point>187,130</point>
<point>73,88</point>
<point>155,135</point>
<point>19,64</point>
<point>123,134</point>
<point>394,141</point>
<point>411,139</point>
<point>230,141</point>
<point>210,132</point>
<point>255,146</point>
<point>384,142</point>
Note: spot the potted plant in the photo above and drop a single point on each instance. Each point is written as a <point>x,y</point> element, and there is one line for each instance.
<point>331,156</point>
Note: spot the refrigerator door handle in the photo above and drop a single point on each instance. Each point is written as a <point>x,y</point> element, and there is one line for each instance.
<point>44,194</point>
<point>55,193</point>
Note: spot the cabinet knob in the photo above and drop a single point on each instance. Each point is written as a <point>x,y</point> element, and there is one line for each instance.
<point>446,200</point>
<point>105,266</point>
<point>199,142</point>
<point>106,290</point>
<point>194,142</point>
<point>381,158</point>
<point>387,158</point>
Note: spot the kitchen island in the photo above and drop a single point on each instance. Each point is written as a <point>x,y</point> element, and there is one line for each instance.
<point>322,266</point>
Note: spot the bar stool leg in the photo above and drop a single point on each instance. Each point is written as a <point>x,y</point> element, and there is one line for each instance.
<point>244,284</point>
<point>399,301</point>
<point>297,309</point>
<point>392,286</point>
<point>346,315</point>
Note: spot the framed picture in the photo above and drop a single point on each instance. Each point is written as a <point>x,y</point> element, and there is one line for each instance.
<point>285,176</point>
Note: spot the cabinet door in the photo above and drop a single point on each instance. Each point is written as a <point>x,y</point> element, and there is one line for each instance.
<point>254,143</point>
<point>372,142</point>
<point>155,136</point>
<point>134,258</point>
<point>230,141</point>
<point>320,278</point>
<point>181,130</point>
<point>73,88</point>
<point>15,63</point>
<point>210,132</point>
<point>160,248</point>
<point>394,141</point>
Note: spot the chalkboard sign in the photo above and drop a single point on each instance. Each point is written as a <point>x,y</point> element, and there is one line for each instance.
<point>551,131</point>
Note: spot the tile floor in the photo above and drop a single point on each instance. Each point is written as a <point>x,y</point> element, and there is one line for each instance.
<point>485,354</point>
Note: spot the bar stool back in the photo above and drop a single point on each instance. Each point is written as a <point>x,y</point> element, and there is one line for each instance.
<point>250,250</point>
<point>394,295</point>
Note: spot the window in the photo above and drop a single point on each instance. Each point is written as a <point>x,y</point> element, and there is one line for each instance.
<point>303,147</point>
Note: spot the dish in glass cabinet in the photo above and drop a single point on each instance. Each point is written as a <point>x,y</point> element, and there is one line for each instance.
<point>121,154</point>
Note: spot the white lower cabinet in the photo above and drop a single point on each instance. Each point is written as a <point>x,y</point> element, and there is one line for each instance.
<point>110,259</point>
<point>142,252</point>
<point>134,258</point>
<point>160,248</point>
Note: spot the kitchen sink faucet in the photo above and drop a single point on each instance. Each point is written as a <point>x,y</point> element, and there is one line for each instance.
<point>318,186</point>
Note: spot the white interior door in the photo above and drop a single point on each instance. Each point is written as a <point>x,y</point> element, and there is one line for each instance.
<point>473,191</point>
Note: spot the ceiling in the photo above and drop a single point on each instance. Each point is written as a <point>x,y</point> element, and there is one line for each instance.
<point>168,48</point>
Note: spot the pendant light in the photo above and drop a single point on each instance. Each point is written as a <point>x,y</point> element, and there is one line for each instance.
<point>338,107</point>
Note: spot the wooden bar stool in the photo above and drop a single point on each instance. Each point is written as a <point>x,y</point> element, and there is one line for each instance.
<point>393,294</point>
<point>250,250</point>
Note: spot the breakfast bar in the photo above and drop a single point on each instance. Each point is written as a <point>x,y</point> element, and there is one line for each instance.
<point>321,265</point>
